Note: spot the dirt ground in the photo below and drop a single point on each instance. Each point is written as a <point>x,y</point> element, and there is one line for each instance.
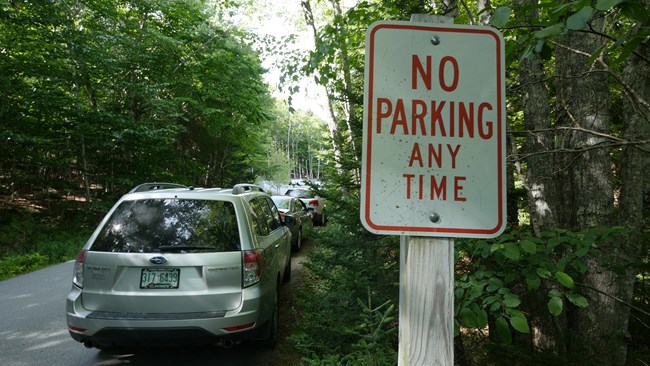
<point>284,354</point>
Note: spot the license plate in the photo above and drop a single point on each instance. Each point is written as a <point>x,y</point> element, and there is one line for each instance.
<point>157,278</point>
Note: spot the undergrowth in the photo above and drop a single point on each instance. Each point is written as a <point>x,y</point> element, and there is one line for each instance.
<point>32,240</point>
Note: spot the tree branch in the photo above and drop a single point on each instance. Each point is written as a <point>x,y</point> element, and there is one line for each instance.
<point>613,298</point>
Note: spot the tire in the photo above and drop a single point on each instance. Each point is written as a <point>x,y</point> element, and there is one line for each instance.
<point>320,220</point>
<point>273,324</point>
<point>298,244</point>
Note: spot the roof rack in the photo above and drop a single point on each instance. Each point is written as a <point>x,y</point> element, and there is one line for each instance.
<point>145,187</point>
<point>243,188</point>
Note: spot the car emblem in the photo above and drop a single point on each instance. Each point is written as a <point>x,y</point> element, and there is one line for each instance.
<point>158,260</point>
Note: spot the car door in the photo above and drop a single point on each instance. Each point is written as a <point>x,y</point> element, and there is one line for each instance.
<point>306,216</point>
<point>273,237</point>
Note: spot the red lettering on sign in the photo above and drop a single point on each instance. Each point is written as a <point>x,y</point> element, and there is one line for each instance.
<point>419,108</point>
<point>458,188</point>
<point>417,69</point>
<point>408,184</point>
<point>484,135</point>
<point>399,119</point>
<point>435,155</point>
<point>381,114</point>
<point>441,73</point>
<point>416,155</point>
<point>437,189</point>
<point>441,116</point>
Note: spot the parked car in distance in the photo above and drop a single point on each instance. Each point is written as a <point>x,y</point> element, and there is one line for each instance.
<point>312,201</point>
<point>171,264</point>
<point>303,223</point>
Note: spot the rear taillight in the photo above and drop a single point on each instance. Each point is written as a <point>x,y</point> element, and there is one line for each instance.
<point>253,266</point>
<point>313,203</point>
<point>78,274</point>
<point>240,327</point>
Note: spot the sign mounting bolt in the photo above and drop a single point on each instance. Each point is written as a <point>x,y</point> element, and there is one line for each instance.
<point>434,217</point>
<point>435,40</point>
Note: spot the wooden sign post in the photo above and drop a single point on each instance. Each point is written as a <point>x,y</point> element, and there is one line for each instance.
<point>426,303</point>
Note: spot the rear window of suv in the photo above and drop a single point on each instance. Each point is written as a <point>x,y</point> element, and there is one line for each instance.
<point>159,225</point>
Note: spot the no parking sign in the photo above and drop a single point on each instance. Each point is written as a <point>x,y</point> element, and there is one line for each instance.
<point>434,130</point>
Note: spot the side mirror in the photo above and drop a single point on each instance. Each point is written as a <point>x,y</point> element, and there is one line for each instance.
<point>289,220</point>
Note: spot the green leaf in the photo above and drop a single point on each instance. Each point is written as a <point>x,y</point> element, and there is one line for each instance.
<point>511,300</point>
<point>529,247</point>
<point>564,279</point>
<point>582,249</point>
<point>512,252</point>
<point>544,273</point>
<point>500,17</point>
<point>628,48</point>
<point>533,281</point>
<point>469,317</point>
<point>495,306</point>
<point>494,284</point>
<point>636,11</point>
<point>489,300</point>
<point>553,30</point>
<point>579,265</point>
<point>552,243</point>
<point>481,318</point>
<point>503,330</point>
<point>520,323</point>
<point>606,5</point>
<point>579,20</point>
<point>555,305</point>
<point>577,300</point>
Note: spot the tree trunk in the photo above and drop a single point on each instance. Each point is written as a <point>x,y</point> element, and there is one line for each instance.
<point>539,181</point>
<point>331,124</point>
<point>347,78</point>
<point>634,167</point>
<point>583,102</point>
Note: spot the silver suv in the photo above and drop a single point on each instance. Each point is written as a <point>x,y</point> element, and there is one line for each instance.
<point>170,263</point>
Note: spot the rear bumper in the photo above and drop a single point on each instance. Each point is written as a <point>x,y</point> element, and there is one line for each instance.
<point>105,329</point>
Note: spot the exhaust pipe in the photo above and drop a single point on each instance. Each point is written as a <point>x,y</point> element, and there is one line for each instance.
<point>226,343</point>
<point>89,344</point>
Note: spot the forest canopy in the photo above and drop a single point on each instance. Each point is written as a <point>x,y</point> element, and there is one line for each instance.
<point>101,95</point>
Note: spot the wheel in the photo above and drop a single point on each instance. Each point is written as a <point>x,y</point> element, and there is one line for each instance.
<point>296,246</point>
<point>273,324</point>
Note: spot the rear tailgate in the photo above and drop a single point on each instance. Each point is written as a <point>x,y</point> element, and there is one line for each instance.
<point>184,283</point>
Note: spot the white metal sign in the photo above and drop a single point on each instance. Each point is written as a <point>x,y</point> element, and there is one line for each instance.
<point>434,130</point>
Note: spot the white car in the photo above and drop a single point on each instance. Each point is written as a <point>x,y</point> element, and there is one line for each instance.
<point>313,202</point>
<point>171,264</point>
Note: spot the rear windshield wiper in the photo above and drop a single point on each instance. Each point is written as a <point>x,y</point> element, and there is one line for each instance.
<point>183,248</point>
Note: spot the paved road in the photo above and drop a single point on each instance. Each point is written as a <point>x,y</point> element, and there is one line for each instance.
<point>33,330</point>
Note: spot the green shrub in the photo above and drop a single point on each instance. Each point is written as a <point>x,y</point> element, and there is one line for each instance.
<point>30,241</point>
<point>19,264</point>
<point>349,271</point>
